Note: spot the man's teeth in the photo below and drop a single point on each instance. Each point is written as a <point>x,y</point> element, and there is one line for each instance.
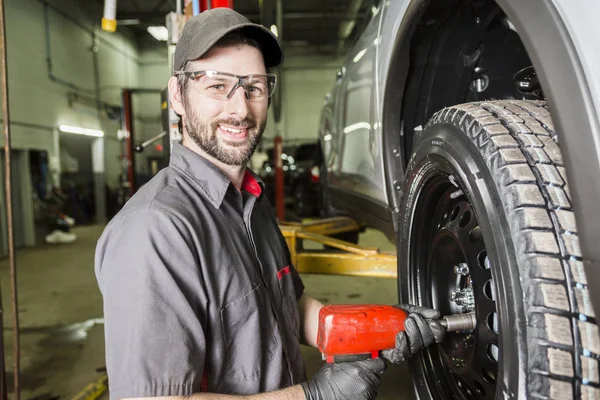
<point>232,130</point>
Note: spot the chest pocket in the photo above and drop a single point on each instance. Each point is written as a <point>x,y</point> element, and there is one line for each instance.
<point>290,303</point>
<point>248,334</point>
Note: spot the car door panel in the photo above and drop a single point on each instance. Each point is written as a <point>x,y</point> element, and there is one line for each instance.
<point>357,168</point>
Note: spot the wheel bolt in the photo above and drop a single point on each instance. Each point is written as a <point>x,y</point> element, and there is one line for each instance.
<point>461,269</point>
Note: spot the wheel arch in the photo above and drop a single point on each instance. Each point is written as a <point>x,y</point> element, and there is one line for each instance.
<point>568,94</point>
<point>391,123</point>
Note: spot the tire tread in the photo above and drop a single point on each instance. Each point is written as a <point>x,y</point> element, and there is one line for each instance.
<point>517,141</point>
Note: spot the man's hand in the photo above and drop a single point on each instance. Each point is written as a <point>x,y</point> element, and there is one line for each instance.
<point>346,380</point>
<point>420,330</point>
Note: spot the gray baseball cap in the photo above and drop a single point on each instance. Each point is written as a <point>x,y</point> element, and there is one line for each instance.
<point>202,31</point>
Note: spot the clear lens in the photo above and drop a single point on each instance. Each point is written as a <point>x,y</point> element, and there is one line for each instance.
<point>219,85</point>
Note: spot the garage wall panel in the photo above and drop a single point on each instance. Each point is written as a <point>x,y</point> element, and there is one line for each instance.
<point>153,75</point>
<point>38,104</point>
<point>308,77</point>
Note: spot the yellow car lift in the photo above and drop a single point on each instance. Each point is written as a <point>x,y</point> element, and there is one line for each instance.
<point>352,259</point>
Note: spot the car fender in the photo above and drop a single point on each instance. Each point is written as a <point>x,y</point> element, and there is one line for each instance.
<point>392,69</point>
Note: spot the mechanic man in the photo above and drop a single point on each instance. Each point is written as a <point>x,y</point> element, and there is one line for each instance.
<point>199,295</point>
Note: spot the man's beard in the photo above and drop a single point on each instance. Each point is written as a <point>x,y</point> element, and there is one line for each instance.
<point>205,136</point>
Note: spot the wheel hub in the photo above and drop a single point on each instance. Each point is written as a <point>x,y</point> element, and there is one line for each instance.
<point>464,298</point>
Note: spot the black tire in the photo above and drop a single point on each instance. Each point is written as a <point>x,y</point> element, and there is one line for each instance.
<point>486,185</point>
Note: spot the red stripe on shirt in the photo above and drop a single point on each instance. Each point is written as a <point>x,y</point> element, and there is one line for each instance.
<point>250,185</point>
<point>204,384</point>
<point>283,272</point>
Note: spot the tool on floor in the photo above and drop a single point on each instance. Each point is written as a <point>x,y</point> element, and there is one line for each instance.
<point>358,332</point>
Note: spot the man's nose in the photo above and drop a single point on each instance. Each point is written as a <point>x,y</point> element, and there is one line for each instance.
<point>238,104</point>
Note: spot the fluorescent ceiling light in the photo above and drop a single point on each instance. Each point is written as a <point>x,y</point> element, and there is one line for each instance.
<point>81,131</point>
<point>274,30</point>
<point>159,32</point>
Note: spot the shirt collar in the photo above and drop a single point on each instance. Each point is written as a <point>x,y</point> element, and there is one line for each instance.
<point>209,177</point>
<point>252,183</point>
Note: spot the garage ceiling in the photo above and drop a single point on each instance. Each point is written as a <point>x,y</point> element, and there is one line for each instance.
<point>329,25</point>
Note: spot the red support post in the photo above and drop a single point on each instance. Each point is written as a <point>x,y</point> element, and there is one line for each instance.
<point>279,201</point>
<point>129,139</point>
<point>215,4</point>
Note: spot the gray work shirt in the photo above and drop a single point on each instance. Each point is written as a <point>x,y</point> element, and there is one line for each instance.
<point>198,290</point>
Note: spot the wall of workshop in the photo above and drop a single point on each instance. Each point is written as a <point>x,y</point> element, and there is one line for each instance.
<point>38,104</point>
<point>153,75</point>
<point>308,76</point>
<point>89,67</point>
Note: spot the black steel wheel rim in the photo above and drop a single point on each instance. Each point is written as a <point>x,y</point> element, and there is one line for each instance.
<point>446,238</point>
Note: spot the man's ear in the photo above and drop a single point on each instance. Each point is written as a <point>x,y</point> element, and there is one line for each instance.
<point>176,96</point>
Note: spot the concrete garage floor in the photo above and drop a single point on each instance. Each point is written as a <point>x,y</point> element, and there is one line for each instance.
<point>62,344</point>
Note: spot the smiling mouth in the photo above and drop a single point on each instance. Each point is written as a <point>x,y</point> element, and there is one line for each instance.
<point>234,133</point>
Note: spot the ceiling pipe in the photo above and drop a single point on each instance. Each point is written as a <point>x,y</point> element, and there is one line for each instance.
<point>346,27</point>
<point>109,19</point>
<point>279,18</point>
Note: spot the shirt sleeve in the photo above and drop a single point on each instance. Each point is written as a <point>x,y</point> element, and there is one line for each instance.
<point>154,305</point>
<point>298,284</point>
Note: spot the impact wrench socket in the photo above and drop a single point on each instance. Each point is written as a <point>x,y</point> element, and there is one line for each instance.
<point>459,322</point>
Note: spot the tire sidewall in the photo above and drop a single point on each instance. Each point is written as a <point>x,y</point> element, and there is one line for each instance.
<point>445,147</point>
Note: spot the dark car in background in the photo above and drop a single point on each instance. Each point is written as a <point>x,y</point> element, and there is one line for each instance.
<point>303,178</point>
<point>301,170</point>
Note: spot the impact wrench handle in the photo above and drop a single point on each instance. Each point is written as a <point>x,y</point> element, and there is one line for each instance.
<point>350,332</point>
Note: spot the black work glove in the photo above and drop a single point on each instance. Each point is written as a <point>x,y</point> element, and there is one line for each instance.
<point>420,330</point>
<point>345,380</point>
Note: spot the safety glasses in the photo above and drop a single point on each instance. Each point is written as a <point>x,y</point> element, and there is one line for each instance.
<point>222,85</point>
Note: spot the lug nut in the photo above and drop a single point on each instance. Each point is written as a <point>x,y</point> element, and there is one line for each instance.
<point>461,269</point>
